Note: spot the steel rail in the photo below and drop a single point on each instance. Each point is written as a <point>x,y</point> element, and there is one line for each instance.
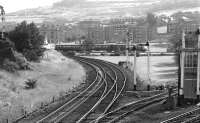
<point>195,119</point>
<point>58,119</point>
<point>138,107</point>
<point>114,85</point>
<point>65,114</point>
<point>116,94</point>
<point>102,98</point>
<point>95,106</point>
<point>102,77</point>
<point>99,74</point>
<point>74,107</point>
<point>123,87</point>
<point>184,117</point>
<point>115,115</point>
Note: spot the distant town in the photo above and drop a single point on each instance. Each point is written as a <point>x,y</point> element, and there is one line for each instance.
<point>115,30</point>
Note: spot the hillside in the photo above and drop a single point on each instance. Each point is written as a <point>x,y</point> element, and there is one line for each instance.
<point>73,10</point>
<point>55,75</point>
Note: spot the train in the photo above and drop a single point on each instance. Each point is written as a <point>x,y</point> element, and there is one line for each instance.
<point>99,47</point>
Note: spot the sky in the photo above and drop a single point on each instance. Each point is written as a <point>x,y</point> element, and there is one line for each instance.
<point>14,5</point>
<point>111,0</point>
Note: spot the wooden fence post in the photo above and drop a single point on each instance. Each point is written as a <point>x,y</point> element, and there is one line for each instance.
<point>53,99</point>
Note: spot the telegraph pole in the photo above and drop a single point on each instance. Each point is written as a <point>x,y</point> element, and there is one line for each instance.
<point>148,61</point>
<point>2,14</point>
<point>148,64</point>
<point>128,43</point>
<point>198,66</point>
<point>127,47</point>
<point>181,70</point>
<point>135,69</point>
<point>182,63</point>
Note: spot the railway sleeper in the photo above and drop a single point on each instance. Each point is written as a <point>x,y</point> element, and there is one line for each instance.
<point>106,119</point>
<point>90,118</point>
<point>193,119</point>
<point>98,94</point>
<point>187,117</point>
<point>118,113</point>
<point>93,116</point>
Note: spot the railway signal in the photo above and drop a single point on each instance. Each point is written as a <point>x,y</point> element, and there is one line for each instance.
<point>135,49</point>
<point>148,64</point>
<point>130,36</point>
<point>135,68</point>
<point>128,41</point>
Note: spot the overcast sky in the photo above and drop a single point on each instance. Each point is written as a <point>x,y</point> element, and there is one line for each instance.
<point>14,5</point>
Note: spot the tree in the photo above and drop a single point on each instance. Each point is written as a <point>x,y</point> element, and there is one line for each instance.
<point>151,21</point>
<point>27,40</point>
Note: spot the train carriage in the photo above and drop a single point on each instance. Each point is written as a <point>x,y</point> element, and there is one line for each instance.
<point>98,47</point>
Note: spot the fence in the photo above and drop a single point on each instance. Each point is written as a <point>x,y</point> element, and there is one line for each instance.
<point>40,107</point>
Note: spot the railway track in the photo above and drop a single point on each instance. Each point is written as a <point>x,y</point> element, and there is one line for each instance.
<point>118,114</point>
<point>192,116</point>
<point>94,75</point>
<point>110,99</point>
<point>75,102</point>
<point>94,101</point>
<point>98,102</point>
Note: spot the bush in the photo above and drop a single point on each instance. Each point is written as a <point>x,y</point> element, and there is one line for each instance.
<point>30,83</point>
<point>31,55</point>
<point>68,53</point>
<point>10,65</point>
<point>21,61</point>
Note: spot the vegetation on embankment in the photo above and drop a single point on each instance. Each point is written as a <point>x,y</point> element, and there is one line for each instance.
<point>20,45</point>
<point>55,74</point>
<point>29,75</point>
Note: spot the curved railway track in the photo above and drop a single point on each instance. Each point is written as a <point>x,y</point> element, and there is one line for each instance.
<point>95,100</point>
<point>95,76</point>
<point>98,102</point>
<point>192,116</point>
<point>107,102</point>
<point>75,102</point>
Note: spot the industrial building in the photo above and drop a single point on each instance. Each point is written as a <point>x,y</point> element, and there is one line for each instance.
<point>189,84</point>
